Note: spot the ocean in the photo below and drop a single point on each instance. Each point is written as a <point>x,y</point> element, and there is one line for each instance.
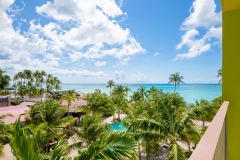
<point>190,92</point>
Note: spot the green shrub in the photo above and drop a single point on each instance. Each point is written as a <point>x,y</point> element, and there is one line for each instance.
<point>16,101</point>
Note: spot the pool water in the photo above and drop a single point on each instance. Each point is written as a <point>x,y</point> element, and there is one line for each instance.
<point>118,127</point>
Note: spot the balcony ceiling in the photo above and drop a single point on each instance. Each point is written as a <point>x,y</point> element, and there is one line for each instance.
<point>229,5</point>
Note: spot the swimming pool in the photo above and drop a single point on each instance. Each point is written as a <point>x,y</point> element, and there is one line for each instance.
<point>118,127</point>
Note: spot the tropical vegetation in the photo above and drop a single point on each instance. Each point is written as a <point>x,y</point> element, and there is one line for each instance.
<point>31,83</point>
<point>154,120</point>
<point>4,82</point>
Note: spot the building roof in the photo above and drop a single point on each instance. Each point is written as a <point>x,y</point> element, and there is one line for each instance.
<point>229,5</point>
<point>75,104</point>
<point>15,111</point>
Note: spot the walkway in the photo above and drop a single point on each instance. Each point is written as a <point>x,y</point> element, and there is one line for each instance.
<point>109,119</point>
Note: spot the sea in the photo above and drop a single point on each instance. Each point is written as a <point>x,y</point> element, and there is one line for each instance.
<point>190,92</point>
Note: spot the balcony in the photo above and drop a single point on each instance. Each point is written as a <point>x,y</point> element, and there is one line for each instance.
<point>213,144</point>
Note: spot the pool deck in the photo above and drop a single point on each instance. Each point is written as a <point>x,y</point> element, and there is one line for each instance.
<point>109,119</point>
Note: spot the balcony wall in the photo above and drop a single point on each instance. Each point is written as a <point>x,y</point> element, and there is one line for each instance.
<point>213,144</point>
<point>230,70</point>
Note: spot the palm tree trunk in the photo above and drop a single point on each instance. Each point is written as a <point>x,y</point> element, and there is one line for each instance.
<point>119,111</point>
<point>189,148</point>
<point>203,122</point>
<point>68,110</point>
<point>113,114</point>
<point>175,88</point>
<point>139,150</point>
<point>47,146</point>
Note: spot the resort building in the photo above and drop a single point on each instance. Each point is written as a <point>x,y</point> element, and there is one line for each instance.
<point>5,101</point>
<point>221,140</point>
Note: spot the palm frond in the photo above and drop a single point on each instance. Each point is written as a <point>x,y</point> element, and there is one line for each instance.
<point>115,145</point>
<point>176,152</point>
<point>60,150</point>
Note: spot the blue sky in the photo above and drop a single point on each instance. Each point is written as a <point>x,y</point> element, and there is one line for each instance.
<point>129,41</point>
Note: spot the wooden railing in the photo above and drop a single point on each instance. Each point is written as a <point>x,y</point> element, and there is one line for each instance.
<point>213,144</point>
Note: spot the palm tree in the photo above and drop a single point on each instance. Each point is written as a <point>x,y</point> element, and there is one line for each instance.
<point>22,145</point>
<point>15,79</point>
<point>50,82</point>
<point>114,145</point>
<point>127,90</point>
<point>208,112</point>
<point>176,79</point>
<point>69,97</point>
<point>41,80</point>
<point>119,91</point>
<point>4,80</point>
<point>56,83</point>
<point>21,76</point>
<point>219,75</point>
<point>22,90</point>
<point>119,99</point>
<point>152,90</point>
<point>2,71</point>
<point>136,97</point>
<point>36,76</point>
<point>28,76</point>
<point>60,151</point>
<point>143,91</point>
<point>111,84</point>
<point>170,122</point>
<point>98,103</point>
<point>51,113</point>
<point>25,144</point>
<point>57,96</point>
<point>154,94</point>
<point>92,127</point>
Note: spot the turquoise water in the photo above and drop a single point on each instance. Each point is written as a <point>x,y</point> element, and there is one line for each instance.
<point>190,92</point>
<point>118,127</point>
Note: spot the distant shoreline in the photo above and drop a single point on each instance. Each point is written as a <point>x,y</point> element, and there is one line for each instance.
<point>151,83</point>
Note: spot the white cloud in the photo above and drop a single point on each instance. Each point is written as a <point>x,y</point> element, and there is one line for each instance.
<point>80,29</point>
<point>13,42</point>
<point>196,47</point>
<point>214,32</point>
<point>51,57</point>
<point>131,48</point>
<point>50,67</point>
<point>100,64</point>
<point>79,10</point>
<point>93,29</point>
<point>120,3</point>
<point>202,15</point>
<point>120,75</point>
<point>156,54</point>
<point>123,61</point>
<point>139,77</point>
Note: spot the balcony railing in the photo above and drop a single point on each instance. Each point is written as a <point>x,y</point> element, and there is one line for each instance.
<point>213,144</point>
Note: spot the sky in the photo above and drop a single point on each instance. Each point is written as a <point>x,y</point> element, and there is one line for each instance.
<point>128,41</point>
